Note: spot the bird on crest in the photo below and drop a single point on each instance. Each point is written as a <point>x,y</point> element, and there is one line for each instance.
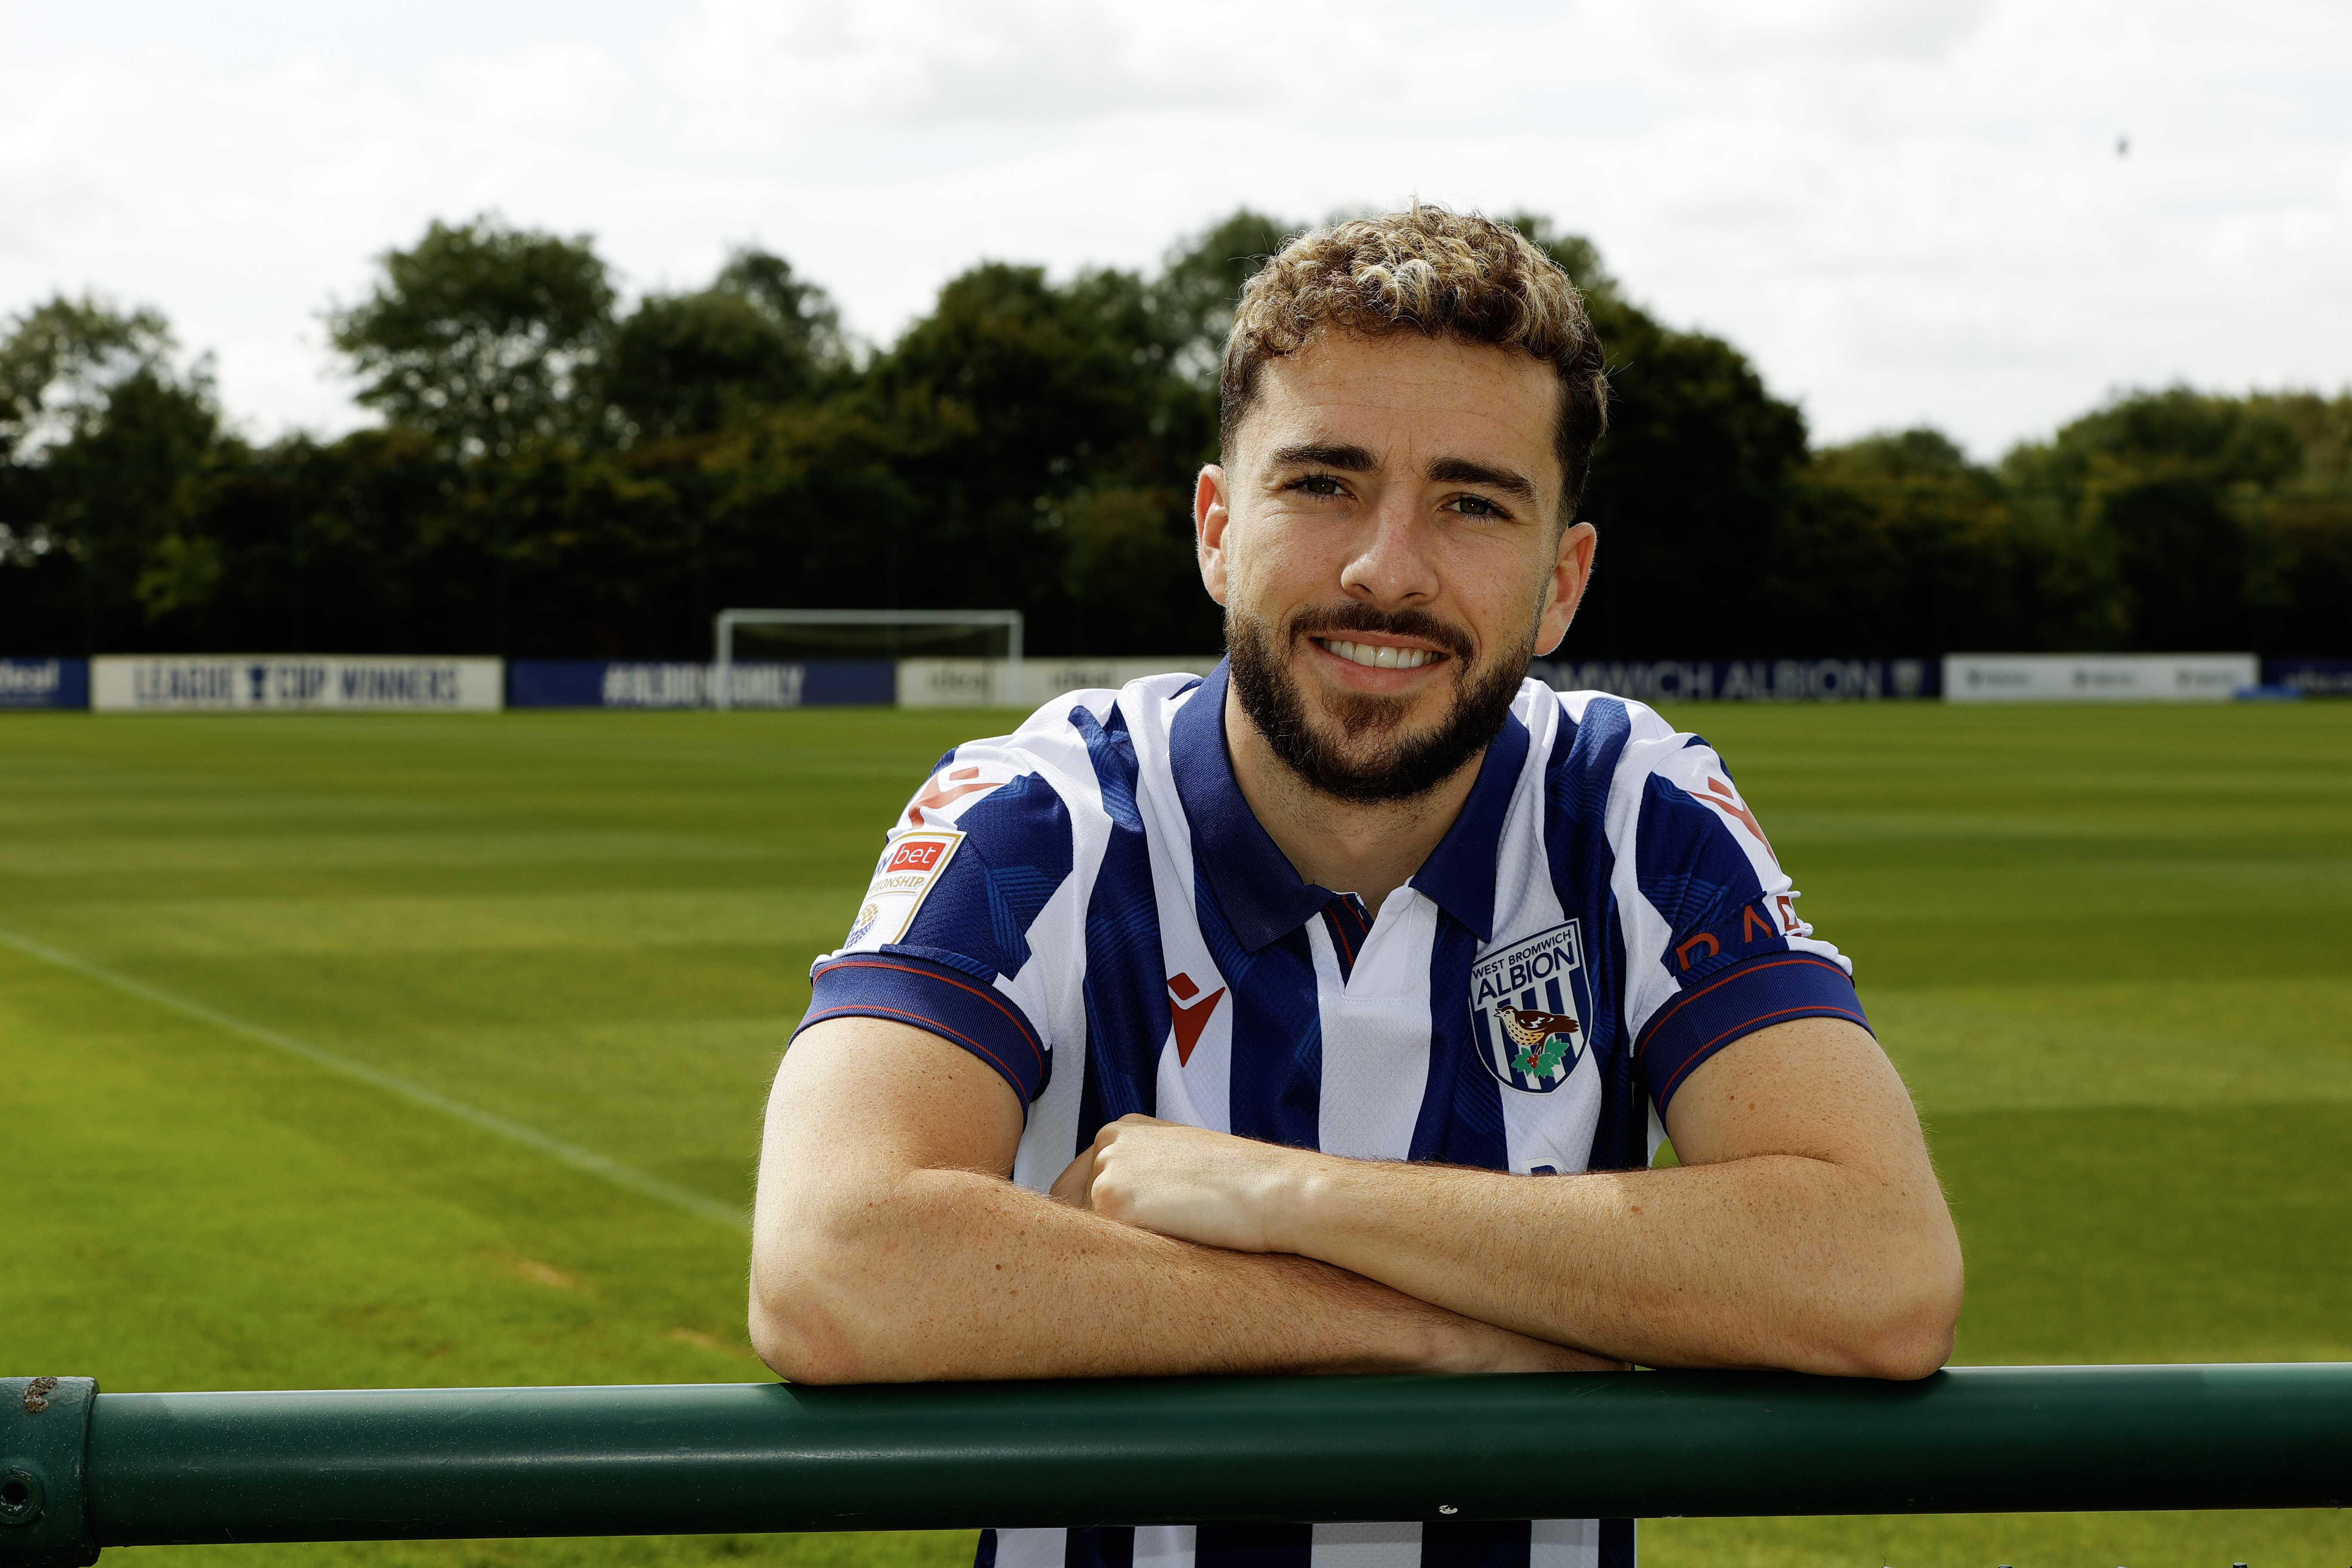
<point>1543,1039</point>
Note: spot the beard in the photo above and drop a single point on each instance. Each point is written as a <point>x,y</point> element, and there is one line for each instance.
<point>1371,758</point>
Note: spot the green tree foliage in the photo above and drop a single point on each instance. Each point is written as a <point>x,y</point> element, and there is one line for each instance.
<point>363,545</point>
<point>557,477</point>
<point>1899,543</point>
<point>1200,285</point>
<point>691,365</point>
<point>62,363</point>
<point>2173,492</point>
<point>1054,398</point>
<point>1688,487</point>
<point>2299,575</point>
<point>100,426</point>
<point>487,336</point>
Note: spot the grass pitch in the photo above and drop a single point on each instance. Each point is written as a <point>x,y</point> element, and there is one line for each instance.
<point>2104,945</point>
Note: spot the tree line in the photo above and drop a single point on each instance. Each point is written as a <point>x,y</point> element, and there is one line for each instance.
<point>555,476</point>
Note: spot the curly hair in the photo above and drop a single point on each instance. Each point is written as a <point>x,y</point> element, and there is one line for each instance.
<point>1439,273</point>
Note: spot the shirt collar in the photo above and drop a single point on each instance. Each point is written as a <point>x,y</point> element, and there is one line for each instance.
<point>1262,897</point>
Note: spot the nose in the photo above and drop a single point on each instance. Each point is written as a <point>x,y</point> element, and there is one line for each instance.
<point>1392,565</point>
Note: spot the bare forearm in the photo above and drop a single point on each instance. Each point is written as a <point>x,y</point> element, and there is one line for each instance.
<point>888,1245</point>
<point>957,1274</point>
<point>1805,1230</point>
<point>1776,1260</point>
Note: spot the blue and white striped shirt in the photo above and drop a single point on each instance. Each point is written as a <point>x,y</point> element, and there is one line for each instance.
<point>1089,906</point>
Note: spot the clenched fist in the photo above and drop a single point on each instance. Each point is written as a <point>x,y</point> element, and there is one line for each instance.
<point>1246,1197</point>
<point>1189,1182</point>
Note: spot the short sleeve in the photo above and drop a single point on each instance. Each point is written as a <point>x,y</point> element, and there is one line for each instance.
<point>1730,954</point>
<point>942,937</point>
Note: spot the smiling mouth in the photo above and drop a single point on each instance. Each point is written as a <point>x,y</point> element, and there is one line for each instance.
<point>1378,656</point>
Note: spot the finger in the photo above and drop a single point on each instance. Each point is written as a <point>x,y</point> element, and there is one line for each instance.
<point>1109,1203</point>
<point>1076,1183</point>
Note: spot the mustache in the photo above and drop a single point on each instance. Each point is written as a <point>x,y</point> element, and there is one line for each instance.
<point>1327,620</point>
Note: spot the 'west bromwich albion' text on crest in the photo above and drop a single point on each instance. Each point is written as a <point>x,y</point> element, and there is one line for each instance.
<point>1527,1003</point>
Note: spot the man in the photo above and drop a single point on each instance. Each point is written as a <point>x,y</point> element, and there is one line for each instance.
<point>1320,1015</point>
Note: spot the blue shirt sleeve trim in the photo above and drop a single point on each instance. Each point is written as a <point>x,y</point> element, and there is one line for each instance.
<point>938,999</point>
<point>1770,988</point>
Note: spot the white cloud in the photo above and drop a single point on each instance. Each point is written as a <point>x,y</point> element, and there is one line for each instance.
<point>1905,212</point>
<point>923,62</point>
<point>1736,33</point>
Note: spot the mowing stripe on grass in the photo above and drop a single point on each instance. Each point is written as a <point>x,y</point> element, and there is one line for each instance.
<point>571,1154</point>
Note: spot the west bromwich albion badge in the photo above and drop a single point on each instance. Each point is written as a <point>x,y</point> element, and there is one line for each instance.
<point>1529,1004</point>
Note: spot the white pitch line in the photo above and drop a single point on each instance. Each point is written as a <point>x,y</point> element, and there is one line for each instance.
<point>571,1154</point>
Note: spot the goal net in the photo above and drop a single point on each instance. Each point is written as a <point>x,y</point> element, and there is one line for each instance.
<point>758,656</point>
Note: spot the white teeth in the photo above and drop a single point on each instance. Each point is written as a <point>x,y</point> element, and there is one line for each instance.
<point>1379,658</point>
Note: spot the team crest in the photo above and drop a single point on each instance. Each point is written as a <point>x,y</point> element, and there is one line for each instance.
<point>1529,1004</point>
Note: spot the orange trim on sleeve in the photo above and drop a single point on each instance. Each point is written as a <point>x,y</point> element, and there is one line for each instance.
<point>1812,1010</point>
<point>928,1025</point>
<point>1750,967</point>
<point>991,997</point>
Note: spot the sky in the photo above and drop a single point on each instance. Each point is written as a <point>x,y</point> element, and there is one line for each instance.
<point>1984,215</point>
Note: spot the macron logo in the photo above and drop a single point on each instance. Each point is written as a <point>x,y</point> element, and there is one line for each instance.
<point>1189,1020</point>
<point>1721,797</point>
<point>944,791</point>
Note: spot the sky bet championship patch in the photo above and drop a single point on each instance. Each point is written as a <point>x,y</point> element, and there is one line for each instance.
<point>1527,1007</point>
<point>910,867</point>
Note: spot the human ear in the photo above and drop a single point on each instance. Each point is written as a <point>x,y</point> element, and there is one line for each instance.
<point>1572,570</point>
<point>1210,517</point>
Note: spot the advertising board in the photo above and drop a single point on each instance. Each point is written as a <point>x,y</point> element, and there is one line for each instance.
<point>44,683</point>
<point>1745,679</point>
<point>2310,676</point>
<point>989,682</point>
<point>641,683</point>
<point>986,683</point>
<point>2097,676</point>
<point>152,683</point>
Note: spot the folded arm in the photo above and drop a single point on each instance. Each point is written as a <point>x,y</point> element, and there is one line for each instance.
<point>888,1245</point>
<point>1804,1229</point>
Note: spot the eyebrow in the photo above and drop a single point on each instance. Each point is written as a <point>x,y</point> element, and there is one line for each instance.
<point>1337,454</point>
<point>1352,460</point>
<point>1463,471</point>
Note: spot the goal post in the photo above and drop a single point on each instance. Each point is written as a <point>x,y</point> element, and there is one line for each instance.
<point>724,625</point>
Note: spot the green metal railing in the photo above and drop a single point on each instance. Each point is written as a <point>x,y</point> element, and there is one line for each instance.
<point>80,1469</point>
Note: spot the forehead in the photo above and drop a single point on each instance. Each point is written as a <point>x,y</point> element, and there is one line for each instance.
<point>1409,398</point>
